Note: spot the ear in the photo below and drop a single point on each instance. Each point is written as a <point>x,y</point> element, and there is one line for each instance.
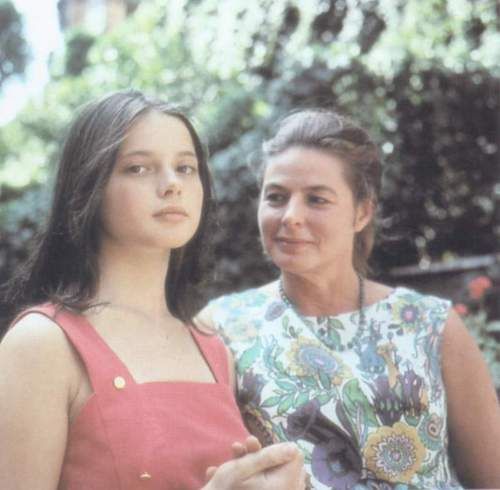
<point>364,214</point>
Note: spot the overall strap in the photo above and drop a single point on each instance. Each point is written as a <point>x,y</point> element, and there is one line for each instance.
<point>215,354</point>
<point>104,368</point>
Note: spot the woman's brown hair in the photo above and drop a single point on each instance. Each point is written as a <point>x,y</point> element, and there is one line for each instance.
<point>333,133</point>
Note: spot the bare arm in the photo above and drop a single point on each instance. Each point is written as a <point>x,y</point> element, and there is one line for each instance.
<point>473,409</point>
<point>35,389</point>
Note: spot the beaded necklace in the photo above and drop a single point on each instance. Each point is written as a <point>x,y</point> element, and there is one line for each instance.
<point>361,299</point>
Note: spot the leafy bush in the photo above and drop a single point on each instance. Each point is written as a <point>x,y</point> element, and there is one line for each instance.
<point>486,331</point>
<point>422,76</point>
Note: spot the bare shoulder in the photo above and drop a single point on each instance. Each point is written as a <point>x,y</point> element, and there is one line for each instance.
<point>462,361</point>
<point>458,344</point>
<point>37,385</point>
<point>36,345</point>
<point>375,291</point>
<point>35,330</point>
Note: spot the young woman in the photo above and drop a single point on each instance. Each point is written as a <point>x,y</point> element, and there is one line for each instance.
<point>377,385</point>
<point>104,383</point>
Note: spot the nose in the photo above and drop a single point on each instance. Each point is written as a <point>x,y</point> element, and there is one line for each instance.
<point>168,183</point>
<point>294,213</point>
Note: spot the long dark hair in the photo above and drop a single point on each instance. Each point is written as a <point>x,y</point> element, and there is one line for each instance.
<point>326,130</point>
<point>63,265</point>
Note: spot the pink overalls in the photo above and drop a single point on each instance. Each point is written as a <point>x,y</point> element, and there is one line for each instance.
<point>158,435</point>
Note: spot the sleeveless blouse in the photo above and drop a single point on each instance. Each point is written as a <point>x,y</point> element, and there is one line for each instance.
<point>365,401</point>
<point>153,435</point>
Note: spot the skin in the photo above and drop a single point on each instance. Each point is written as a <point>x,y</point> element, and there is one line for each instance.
<point>141,179</point>
<point>473,408</point>
<point>240,473</point>
<point>307,220</point>
<point>155,169</point>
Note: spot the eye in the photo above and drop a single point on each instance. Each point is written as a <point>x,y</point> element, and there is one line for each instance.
<point>275,197</point>
<point>317,200</point>
<point>187,168</point>
<point>136,169</point>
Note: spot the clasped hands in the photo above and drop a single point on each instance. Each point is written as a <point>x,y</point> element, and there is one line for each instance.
<point>276,467</point>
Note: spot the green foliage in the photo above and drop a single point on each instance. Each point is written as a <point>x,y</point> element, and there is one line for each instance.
<point>421,75</point>
<point>20,218</point>
<point>13,46</point>
<point>78,45</point>
<point>477,311</point>
<point>486,334</point>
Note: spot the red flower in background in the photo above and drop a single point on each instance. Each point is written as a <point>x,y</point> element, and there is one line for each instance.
<point>478,286</point>
<point>461,309</point>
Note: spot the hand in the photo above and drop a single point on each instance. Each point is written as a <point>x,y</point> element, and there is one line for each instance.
<point>275,467</point>
<point>251,445</point>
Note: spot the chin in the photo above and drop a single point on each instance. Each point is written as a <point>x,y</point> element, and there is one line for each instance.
<point>174,244</point>
<point>164,244</point>
<point>171,240</point>
<point>291,264</point>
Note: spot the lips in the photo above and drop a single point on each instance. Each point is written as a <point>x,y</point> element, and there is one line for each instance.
<point>292,241</point>
<point>293,245</point>
<point>171,212</point>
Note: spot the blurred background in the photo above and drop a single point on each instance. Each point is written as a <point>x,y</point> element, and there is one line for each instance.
<point>423,76</point>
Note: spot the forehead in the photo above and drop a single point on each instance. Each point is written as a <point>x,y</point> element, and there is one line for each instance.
<point>155,129</point>
<point>305,167</point>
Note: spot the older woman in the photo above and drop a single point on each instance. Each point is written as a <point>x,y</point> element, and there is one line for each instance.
<point>377,385</point>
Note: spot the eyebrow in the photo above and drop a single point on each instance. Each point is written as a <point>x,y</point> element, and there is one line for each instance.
<point>313,188</point>
<point>145,153</point>
<point>135,153</point>
<point>186,153</point>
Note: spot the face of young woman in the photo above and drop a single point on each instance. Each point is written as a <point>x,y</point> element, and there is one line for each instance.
<point>307,215</point>
<point>154,195</point>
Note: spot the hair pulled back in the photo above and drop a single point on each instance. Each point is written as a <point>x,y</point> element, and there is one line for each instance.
<point>328,131</point>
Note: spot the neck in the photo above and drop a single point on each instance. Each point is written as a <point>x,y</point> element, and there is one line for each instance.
<point>324,296</point>
<point>133,280</point>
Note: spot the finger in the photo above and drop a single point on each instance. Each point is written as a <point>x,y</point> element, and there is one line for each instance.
<point>240,469</point>
<point>289,475</point>
<point>210,472</point>
<point>252,444</point>
<point>238,449</point>
<point>303,479</point>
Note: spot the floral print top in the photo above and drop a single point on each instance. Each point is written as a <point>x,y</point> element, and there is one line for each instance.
<point>365,401</point>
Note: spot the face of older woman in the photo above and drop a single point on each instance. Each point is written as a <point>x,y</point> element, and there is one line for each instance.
<point>307,214</point>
